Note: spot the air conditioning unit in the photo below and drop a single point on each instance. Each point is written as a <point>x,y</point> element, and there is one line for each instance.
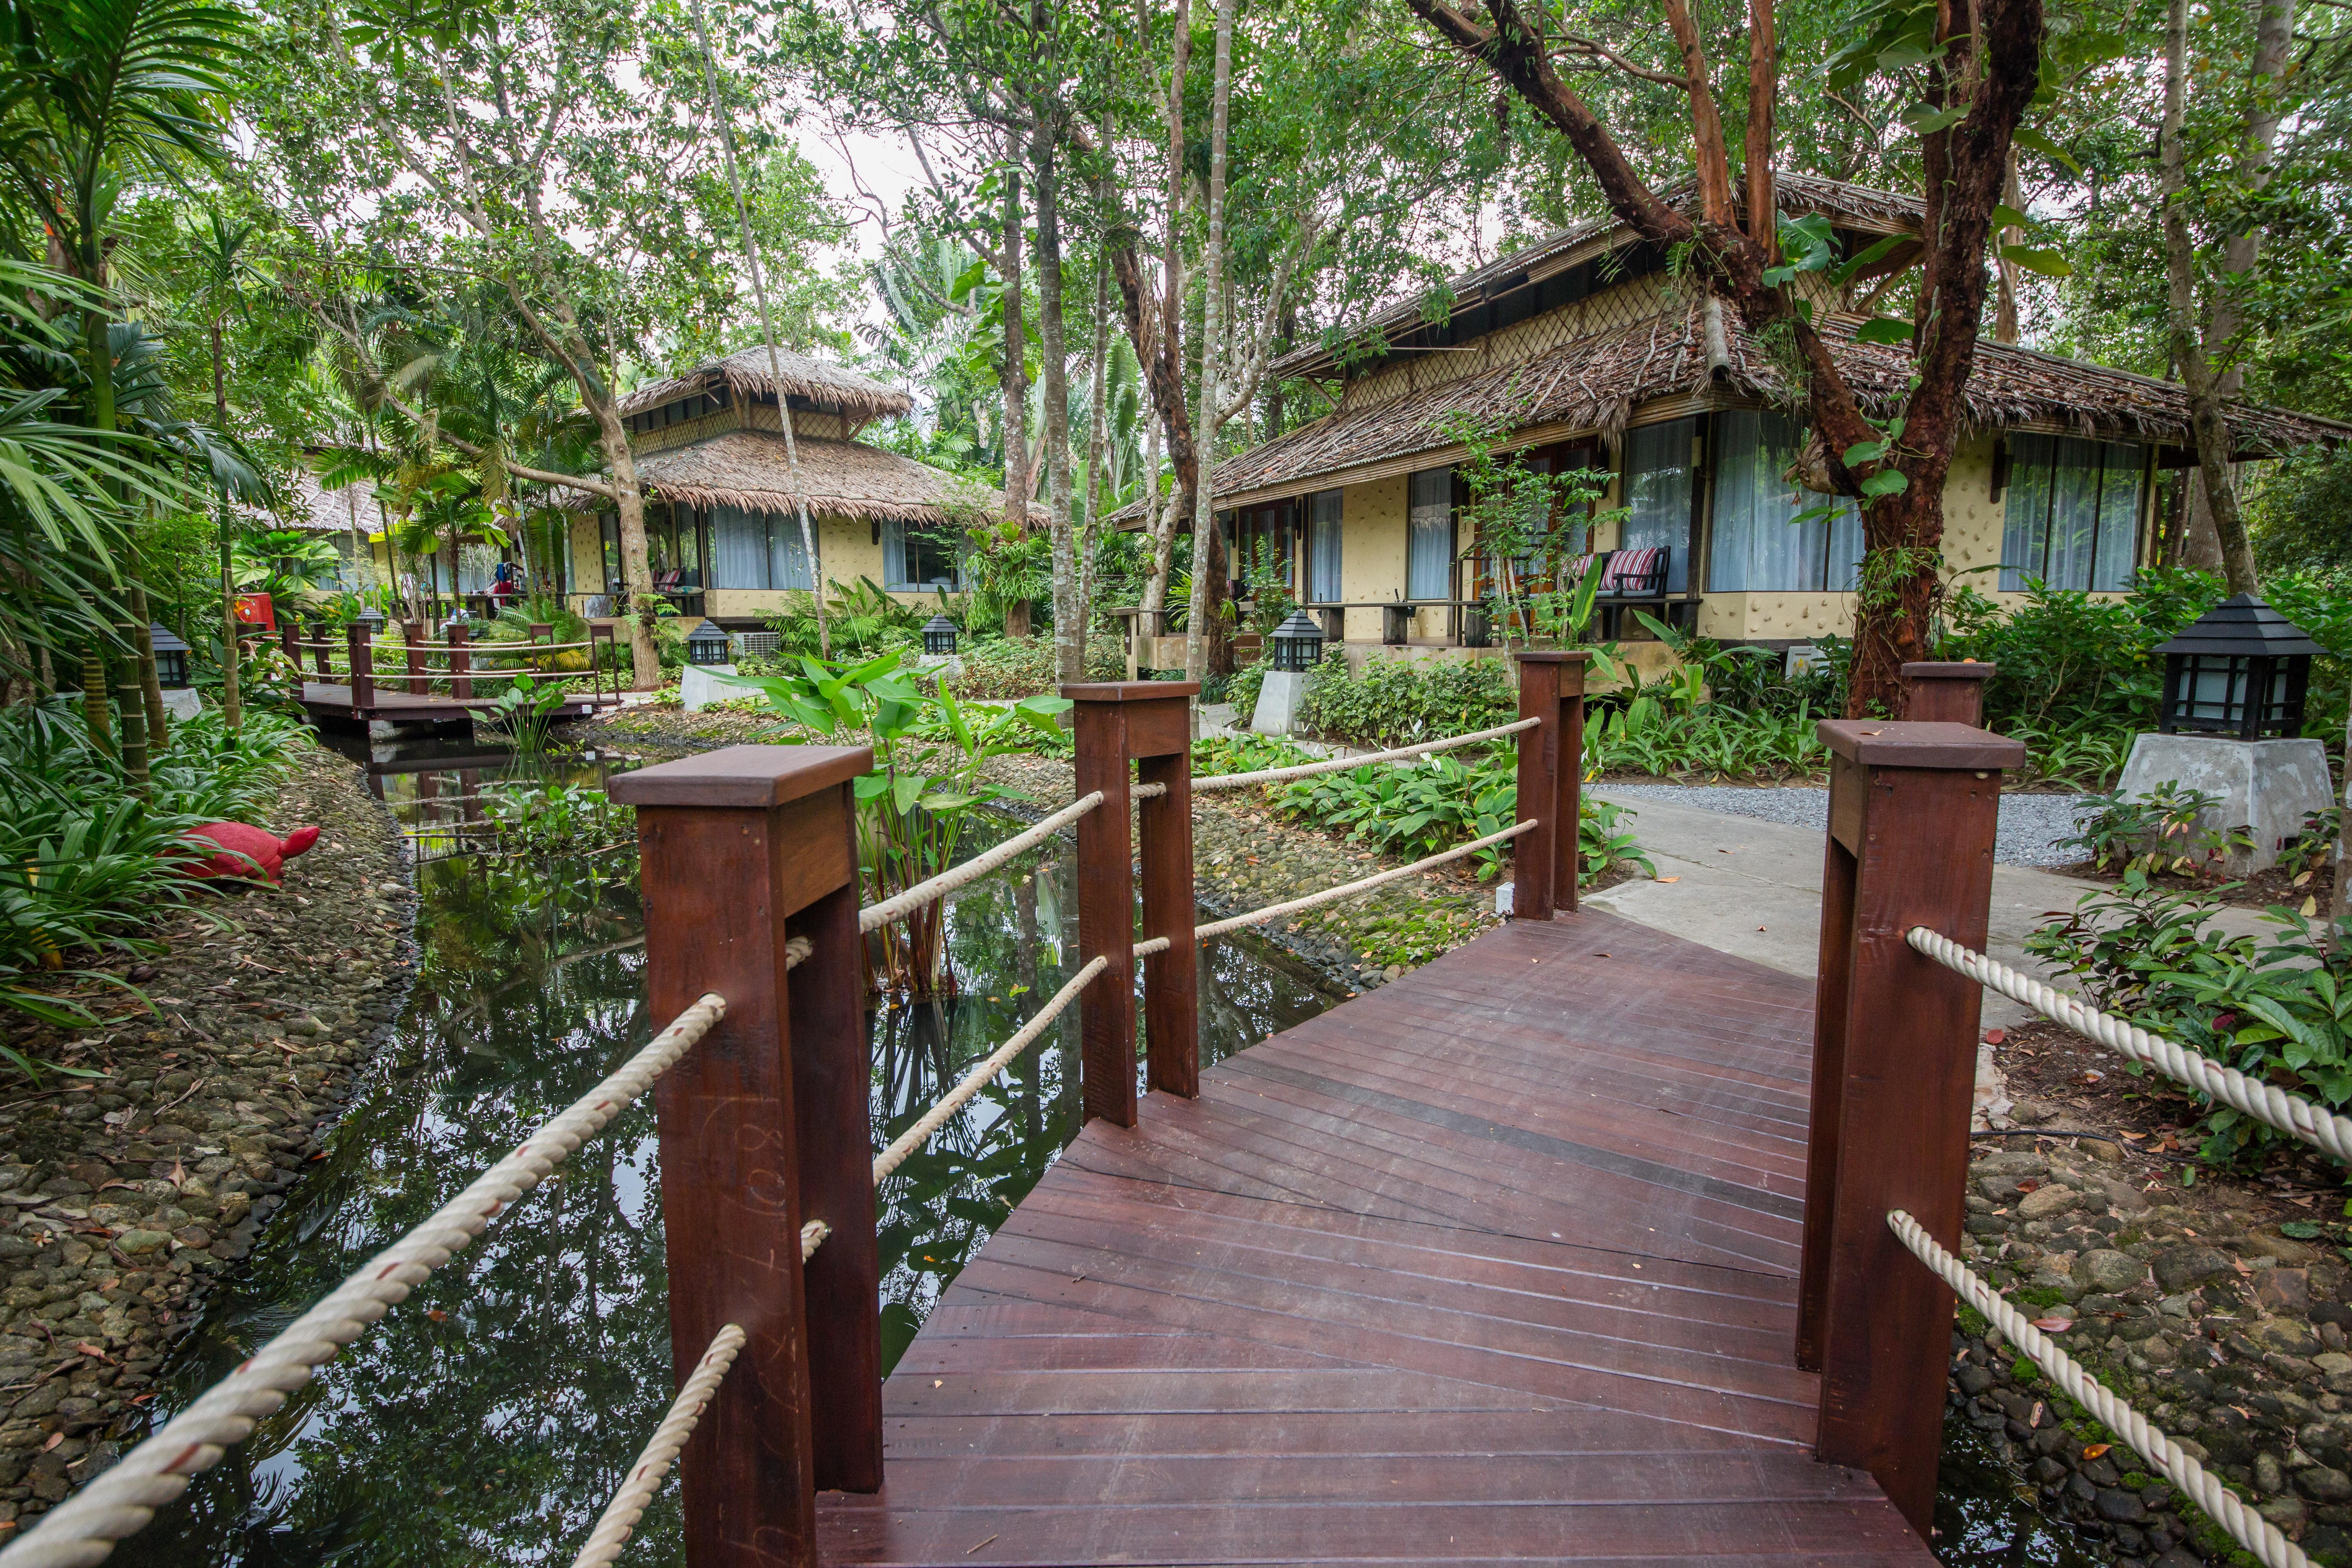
<point>756,645</point>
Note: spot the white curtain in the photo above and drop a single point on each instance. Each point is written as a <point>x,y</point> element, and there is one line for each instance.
<point>788,561</point>
<point>1323,547</point>
<point>1429,551</point>
<point>739,548</point>
<point>2071,515</point>
<point>1658,494</point>
<point>1755,548</point>
<point>900,564</point>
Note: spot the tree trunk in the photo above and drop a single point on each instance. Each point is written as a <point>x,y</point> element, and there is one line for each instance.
<point>97,709</point>
<point>1069,632</point>
<point>1208,563</point>
<point>151,688</point>
<point>1020,484</point>
<point>2208,423</point>
<point>1016,619</point>
<point>1097,442</point>
<point>232,700</point>
<point>2004,316</point>
<point>637,571</point>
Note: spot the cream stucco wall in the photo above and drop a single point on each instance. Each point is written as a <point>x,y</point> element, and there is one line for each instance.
<point>586,572</point>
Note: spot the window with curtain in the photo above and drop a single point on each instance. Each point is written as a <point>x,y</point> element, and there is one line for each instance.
<point>738,549</point>
<point>1429,545</point>
<point>2072,512</point>
<point>1657,494</point>
<point>1755,548</point>
<point>608,528</point>
<point>912,559</point>
<point>788,557</point>
<point>1323,547</point>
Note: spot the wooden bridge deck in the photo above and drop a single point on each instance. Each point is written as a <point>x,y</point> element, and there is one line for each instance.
<point>329,699</point>
<point>1495,1264</point>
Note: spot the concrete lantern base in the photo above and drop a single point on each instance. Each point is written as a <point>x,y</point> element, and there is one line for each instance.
<point>1279,700</point>
<point>698,687</point>
<point>182,701</point>
<point>2267,786</point>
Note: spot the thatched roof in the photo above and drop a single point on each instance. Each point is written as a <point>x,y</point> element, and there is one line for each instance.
<point>305,504</point>
<point>1599,384</point>
<point>1863,207</point>
<point>751,469</point>
<point>745,373</point>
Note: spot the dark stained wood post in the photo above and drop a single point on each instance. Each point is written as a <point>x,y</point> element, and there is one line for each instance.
<point>289,641</point>
<point>1946,692</point>
<point>1116,721</point>
<point>1171,980</point>
<point>1551,782</point>
<point>763,1126</point>
<point>461,664</point>
<point>1913,810</point>
<point>412,639</point>
<point>358,652</point>
<point>319,652</point>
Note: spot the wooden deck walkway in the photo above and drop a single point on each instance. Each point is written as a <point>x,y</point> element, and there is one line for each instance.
<point>324,699</point>
<point>1495,1264</point>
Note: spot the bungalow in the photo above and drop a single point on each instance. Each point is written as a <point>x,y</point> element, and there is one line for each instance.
<point>723,494</point>
<point>1591,354</point>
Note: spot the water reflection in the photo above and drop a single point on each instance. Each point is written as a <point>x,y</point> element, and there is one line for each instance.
<point>1988,1518</point>
<point>489,1418</point>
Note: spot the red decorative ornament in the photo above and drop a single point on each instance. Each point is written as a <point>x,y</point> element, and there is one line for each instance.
<point>249,851</point>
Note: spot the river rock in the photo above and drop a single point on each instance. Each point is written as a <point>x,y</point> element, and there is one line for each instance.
<point>2106,1271</point>
<point>2179,1268</point>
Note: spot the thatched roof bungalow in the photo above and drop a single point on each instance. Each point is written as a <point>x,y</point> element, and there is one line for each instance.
<point>1591,353</point>
<point>723,494</point>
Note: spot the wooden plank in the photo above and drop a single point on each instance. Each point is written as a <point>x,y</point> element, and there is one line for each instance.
<point>1496,1264</point>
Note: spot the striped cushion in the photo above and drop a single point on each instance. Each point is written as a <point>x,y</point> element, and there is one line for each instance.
<point>1631,569</point>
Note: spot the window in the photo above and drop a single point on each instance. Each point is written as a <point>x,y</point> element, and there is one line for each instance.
<point>1657,494</point>
<point>1754,547</point>
<point>1429,551</point>
<point>912,559</point>
<point>2073,513</point>
<point>1323,510</point>
<point>608,524</point>
<point>757,550</point>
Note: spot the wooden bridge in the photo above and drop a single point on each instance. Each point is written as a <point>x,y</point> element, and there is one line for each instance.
<point>423,694</point>
<point>1571,1246</point>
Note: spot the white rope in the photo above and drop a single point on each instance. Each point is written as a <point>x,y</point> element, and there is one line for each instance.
<point>813,1236</point>
<point>914,1137</point>
<point>118,1502</point>
<point>1341,764</point>
<point>795,950</point>
<point>2226,1508</point>
<point>2290,1113</point>
<point>1146,949</point>
<point>1348,889</point>
<point>628,1505</point>
<point>875,916</point>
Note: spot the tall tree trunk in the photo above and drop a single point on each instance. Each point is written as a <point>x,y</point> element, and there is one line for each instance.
<point>2004,315</point>
<point>1159,520</point>
<point>2208,424</point>
<point>131,716</point>
<point>1097,441</point>
<point>644,606</point>
<point>151,688</point>
<point>1208,570</point>
<point>232,700</point>
<point>97,708</point>
<point>1020,484</point>
<point>1069,635</point>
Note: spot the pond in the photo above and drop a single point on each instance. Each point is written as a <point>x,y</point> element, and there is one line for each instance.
<point>489,1419</point>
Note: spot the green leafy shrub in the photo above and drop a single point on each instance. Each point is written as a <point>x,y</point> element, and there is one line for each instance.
<point>2273,1006</point>
<point>1664,739</point>
<point>999,668</point>
<point>1242,689</point>
<point>2163,829</point>
<point>1397,701</point>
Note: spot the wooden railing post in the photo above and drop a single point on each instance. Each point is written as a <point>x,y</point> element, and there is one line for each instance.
<point>763,1127</point>
<point>1913,810</point>
<point>289,641</point>
<point>319,654</point>
<point>1171,980</point>
<point>461,664</point>
<point>358,652</point>
<point>1946,691</point>
<point>411,639</point>
<point>1552,783</point>
<point>1117,721</point>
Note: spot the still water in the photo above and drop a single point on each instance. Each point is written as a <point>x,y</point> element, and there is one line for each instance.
<point>487,1420</point>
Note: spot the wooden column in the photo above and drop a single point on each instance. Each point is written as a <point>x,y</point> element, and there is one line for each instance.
<point>358,652</point>
<point>1117,721</point>
<point>289,642</point>
<point>763,1126</point>
<point>461,664</point>
<point>1913,809</point>
<point>1551,780</point>
<point>1947,692</point>
<point>319,653</point>
<point>1171,980</point>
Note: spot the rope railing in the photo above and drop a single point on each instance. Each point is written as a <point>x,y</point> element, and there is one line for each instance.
<point>497,649</point>
<point>619,1520</point>
<point>1342,765</point>
<point>1348,890</point>
<point>915,1137</point>
<point>120,1501</point>
<point>2224,1507</point>
<point>2266,1103</point>
<point>873,917</point>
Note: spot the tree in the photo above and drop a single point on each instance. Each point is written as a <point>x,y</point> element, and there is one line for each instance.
<point>1976,70</point>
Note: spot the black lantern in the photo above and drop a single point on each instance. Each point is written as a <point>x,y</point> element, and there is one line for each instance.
<point>370,622</point>
<point>706,644</point>
<point>938,634</point>
<point>1297,643</point>
<point>2241,669</point>
<point>171,657</point>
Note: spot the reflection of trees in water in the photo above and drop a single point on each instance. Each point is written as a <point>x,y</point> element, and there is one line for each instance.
<point>497,1434</point>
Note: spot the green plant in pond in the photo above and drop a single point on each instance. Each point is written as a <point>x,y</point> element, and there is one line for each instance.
<point>523,713</point>
<point>2271,1005</point>
<point>912,809</point>
<point>561,819</point>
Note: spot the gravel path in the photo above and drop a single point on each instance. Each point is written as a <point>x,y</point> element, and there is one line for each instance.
<point>2031,824</point>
